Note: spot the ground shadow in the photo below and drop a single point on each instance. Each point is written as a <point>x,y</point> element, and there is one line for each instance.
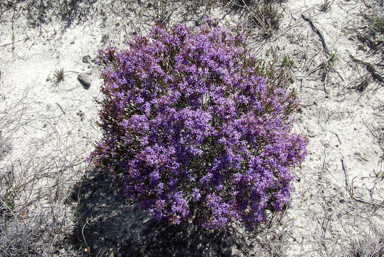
<point>107,224</point>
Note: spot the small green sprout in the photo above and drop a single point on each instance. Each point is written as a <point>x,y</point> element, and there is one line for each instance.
<point>289,63</point>
<point>59,75</point>
<point>332,58</point>
<point>326,6</point>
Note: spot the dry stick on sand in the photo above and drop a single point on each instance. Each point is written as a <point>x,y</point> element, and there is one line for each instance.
<point>370,68</point>
<point>13,30</point>
<point>318,67</point>
<point>350,188</point>
<point>61,108</point>
<point>325,47</point>
<point>345,169</point>
<point>375,203</point>
<point>317,31</point>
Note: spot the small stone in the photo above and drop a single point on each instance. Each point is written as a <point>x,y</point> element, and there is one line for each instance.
<point>313,129</point>
<point>81,115</point>
<point>84,79</point>
<point>86,59</point>
<point>104,39</point>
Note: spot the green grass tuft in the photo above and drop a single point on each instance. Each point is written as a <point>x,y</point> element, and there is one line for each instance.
<point>288,62</point>
<point>59,75</point>
<point>326,6</point>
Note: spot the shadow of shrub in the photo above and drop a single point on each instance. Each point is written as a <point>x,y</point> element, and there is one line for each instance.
<point>107,224</point>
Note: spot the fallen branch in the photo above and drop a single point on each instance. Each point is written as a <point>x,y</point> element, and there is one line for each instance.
<point>370,68</point>
<point>317,31</point>
<point>377,204</point>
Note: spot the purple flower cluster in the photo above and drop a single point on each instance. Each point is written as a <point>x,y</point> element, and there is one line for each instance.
<point>190,131</point>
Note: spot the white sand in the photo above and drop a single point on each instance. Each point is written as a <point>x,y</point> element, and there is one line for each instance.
<point>59,119</point>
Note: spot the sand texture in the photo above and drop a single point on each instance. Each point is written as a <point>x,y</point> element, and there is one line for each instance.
<point>48,129</point>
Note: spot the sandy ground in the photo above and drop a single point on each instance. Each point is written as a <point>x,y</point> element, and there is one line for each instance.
<point>50,127</point>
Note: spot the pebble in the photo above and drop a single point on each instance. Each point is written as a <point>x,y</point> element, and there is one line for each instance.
<point>313,129</point>
<point>86,59</point>
<point>84,79</point>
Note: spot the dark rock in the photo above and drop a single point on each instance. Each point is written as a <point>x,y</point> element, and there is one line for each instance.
<point>104,39</point>
<point>84,79</point>
<point>81,115</point>
<point>87,59</point>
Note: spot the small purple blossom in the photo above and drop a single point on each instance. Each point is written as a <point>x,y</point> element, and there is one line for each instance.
<point>191,132</point>
<point>195,194</point>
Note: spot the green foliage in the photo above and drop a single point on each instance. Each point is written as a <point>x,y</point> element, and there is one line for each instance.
<point>288,62</point>
<point>271,70</point>
<point>332,58</point>
<point>373,33</point>
<point>376,22</point>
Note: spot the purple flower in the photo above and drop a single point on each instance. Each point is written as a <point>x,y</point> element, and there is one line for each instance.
<point>190,131</point>
<point>195,194</point>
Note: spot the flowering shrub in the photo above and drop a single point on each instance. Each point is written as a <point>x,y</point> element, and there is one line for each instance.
<point>190,131</point>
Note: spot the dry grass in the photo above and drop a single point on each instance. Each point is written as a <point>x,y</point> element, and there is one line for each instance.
<point>371,245</point>
<point>34,212</point>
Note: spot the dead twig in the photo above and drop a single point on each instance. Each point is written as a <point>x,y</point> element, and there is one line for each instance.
<point>303,79</point>
<point>338,138</point>
<point>370,68</point>
<point>82,232</point>
<point>13,29</point>
<point>345,169</point>
<point>61,108</point>
<point>325,77</point>
<point>317,31</point>
<point>373,204</point>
